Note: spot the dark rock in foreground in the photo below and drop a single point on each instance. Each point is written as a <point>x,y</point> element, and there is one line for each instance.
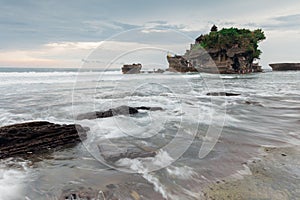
<point>38,137</point>
<point>121,110</point>
<point>222,94</point>
<point>285,66</point>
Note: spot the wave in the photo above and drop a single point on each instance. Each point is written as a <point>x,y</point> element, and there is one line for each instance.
<point>31,69</point>
<point>54,73</point>
<point>12,179</point>
<point>11,78</point>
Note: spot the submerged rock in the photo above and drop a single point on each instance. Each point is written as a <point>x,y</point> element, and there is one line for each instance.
<point>131,187</point>
<point>253,103</point>
<point>81,194</point>
<point>38,137</point>
<point>222,94</point>
<point>121,110</point>
<point>112,153</point>
<point>148,108</point>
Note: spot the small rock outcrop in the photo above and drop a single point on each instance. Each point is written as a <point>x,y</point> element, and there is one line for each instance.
<point>285,66</point>
<point>38,137</point>
<point>228,51</point>
<point>121,110</point>
<point>132,68</point>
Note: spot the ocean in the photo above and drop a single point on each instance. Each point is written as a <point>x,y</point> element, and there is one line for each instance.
<point>200,139</point>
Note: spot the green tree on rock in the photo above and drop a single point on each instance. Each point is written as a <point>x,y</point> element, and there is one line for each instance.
<point>228,38</point>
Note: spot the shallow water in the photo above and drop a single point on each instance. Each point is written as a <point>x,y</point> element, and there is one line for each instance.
<point>265,114</point>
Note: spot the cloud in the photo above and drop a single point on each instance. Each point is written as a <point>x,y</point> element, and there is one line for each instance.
<point>73,45</point>
<point>288,18</point>
<point>101,26</point>
<point>41,29</point>
<point>164,25</point>
<point>286,22</point>
<point>59,54</point>
<point>71,54</point>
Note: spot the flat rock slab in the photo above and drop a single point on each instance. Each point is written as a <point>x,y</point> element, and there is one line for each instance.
<point>113,152</point>
<point>38,137</point>
<point>121,110</point>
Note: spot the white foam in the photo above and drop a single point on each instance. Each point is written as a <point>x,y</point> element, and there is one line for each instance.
<point>140,165</point>
<point>8,78</point>
<point>35,77</point>
<point>137,165</point>
<point>10,186</point>
<point>12,181</point>
<point>158,186</point>
<point>162,159</point>
<point>184,172</point>
<point>37,74</point>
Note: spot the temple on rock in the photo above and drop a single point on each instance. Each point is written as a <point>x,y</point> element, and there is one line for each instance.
<point>228,51</point>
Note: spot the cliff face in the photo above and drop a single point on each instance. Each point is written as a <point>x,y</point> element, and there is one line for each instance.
<point>227,51</point>
<point>180,64</point>
<point>285,66</point>
<point>223,61</point>
<point>214,61</point>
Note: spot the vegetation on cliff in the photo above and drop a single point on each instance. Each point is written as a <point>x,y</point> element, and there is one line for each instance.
<point>228,38</point>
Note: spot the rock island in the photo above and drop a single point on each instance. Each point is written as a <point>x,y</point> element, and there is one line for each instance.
<point>228,51</point>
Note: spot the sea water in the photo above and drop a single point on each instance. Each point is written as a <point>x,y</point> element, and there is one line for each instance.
<point>266,113</point>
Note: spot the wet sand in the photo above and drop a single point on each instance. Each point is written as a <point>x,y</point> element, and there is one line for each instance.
<point>276,175</point>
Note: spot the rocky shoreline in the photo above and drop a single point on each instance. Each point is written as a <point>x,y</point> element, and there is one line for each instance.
<point>30,138</point>
<point>36,141</point>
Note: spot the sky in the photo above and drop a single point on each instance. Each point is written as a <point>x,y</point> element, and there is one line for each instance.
<point>70,33</point>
